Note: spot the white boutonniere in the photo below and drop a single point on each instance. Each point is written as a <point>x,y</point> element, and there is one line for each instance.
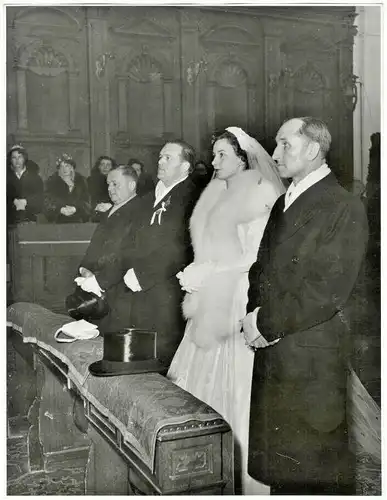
<point>159,212</point>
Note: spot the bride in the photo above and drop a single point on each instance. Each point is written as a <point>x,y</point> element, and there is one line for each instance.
<point>212,361</point>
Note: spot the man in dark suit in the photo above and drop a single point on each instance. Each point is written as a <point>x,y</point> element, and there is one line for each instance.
<point>102,267</point>
<point>306,269</point>
<point>158,250</point>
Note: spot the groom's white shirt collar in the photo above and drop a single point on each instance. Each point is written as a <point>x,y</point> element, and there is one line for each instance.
<point>162,190</point>
<point>294,191</point>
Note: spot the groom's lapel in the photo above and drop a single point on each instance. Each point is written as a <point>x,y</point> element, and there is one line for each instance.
<point>170,193</point>
<point>303,209</point>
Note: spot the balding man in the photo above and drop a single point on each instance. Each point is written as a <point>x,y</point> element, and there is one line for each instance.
<point>306,269</point>
<point>102,267</point>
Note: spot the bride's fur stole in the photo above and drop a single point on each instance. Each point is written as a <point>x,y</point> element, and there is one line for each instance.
<point>215,227</point>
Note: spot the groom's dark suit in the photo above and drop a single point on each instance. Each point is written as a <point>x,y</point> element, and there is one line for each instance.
<point>157,253</point>
<point>306,268</point>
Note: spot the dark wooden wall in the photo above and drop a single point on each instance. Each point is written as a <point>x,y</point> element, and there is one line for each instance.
<point>123,80</point>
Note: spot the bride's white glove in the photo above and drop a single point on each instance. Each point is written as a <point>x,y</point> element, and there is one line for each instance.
<point>194,275</point>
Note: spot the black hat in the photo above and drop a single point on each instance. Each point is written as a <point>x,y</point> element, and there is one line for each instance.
<point>86,305</point>
<point>126,352</point>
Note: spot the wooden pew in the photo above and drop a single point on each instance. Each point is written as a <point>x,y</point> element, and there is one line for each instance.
<point>134,434</point>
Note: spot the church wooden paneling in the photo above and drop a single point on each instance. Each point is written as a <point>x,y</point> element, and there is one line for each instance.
<point>310,84</point>
<point>48,106</point>
<point>123,80</point>
<point>230,74</point>
<point>145,90</point>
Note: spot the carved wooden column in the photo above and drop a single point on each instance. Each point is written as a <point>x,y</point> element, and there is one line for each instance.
<point>21,99</point>
<point>106,471</point>
<point>34,447</point>
<point>347,100</point>
<point>62,442</point>
<point>169,125</point>
<point>273,72</point>
<point>99,81</point>
<point>73,83</point>
<point>21,384</point>
<point>191,66</point>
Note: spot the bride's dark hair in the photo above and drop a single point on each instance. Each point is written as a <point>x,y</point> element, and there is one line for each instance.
<point>233,141</point>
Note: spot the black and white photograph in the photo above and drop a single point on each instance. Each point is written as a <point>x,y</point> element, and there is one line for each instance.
<point>193,248</point>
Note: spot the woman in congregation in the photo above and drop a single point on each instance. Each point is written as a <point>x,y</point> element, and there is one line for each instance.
<point>145,182</point>
<point>98,188</point>
<point>213,362</point>
<point>24,187</point>
<point>66,197</point>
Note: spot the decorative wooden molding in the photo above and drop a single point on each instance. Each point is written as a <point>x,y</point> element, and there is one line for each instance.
<point>51,138</point>
<point>350,91</point>
<point>309,41</point>
<point>101,62</point>
<point>54,16</point>
<point>237,63</point>
<point>189,426</point>
<point>145,68</point>
<point>143,27</point>
<point>230,34</point>
<point>191,461</point>
<point>46,61</point>
<point>308,79</point>
<point>194,68</point>
<point>230,75</point>
<point>126,140</point>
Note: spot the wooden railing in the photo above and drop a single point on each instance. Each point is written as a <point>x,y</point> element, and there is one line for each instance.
<point>134,434</point>
<point>43,261</point>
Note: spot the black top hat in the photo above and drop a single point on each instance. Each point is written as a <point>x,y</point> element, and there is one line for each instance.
<point>86,305</point>
<point>126,352</point>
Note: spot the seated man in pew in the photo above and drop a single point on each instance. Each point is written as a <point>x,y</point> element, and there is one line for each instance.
<point>101,267</point>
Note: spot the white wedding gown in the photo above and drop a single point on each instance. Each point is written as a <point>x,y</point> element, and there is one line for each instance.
<point>220,374</point>
<point>221,377</point>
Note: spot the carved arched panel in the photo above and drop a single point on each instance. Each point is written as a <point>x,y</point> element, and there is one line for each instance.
<point>231,79</point>
<point>49,81</point>
<point>145,97</point>
<point>230,96</point>
<point>47,91</point>
<point>309,91</point>
<point>145,85</point>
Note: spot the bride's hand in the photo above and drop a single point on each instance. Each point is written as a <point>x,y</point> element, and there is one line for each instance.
<point>194,276</point>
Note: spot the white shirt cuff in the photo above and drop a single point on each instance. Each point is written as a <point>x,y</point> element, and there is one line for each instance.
<point>254,316</point>
<point>89,284</point>
<point>131,281</point>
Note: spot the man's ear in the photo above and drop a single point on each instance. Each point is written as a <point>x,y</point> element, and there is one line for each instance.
<point>186,167</point>
<point>313,150</point>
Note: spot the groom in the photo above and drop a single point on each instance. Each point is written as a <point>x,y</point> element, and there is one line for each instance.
<point>160,248</point>
<point>306,269</point>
